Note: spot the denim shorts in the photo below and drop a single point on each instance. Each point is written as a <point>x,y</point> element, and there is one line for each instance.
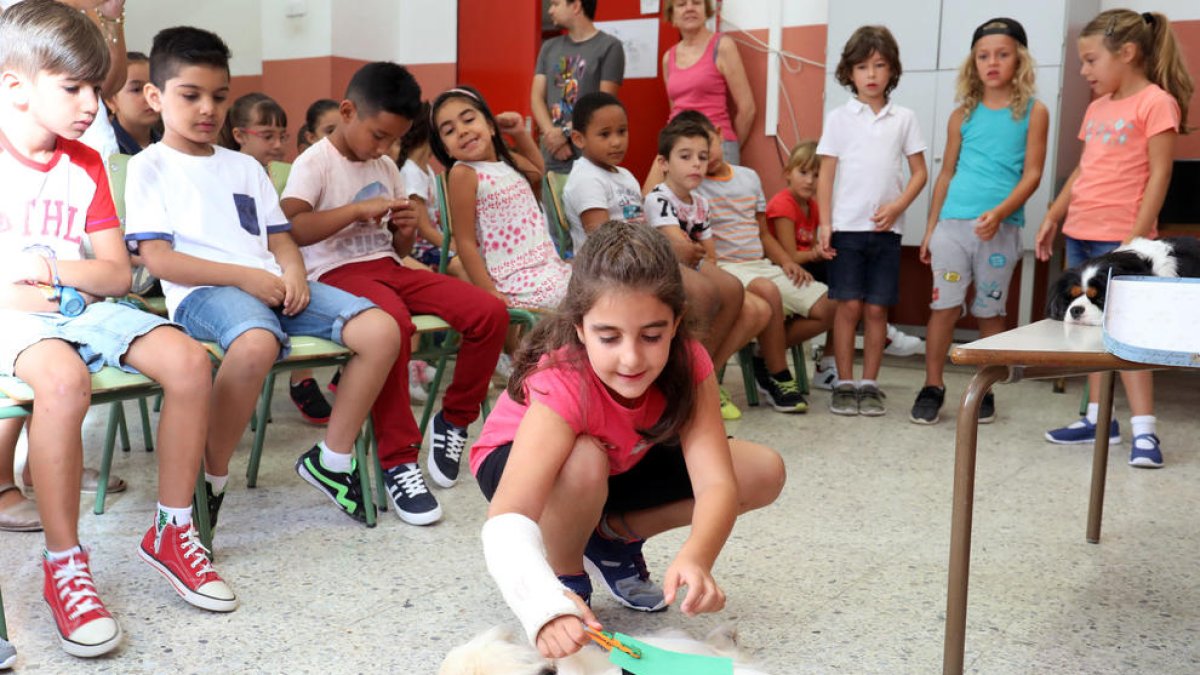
<point>866,267</point>
<point>101,335</point>
<point>1082,250</point>
<point>221,313</point>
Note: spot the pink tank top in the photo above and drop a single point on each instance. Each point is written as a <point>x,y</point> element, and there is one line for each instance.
<point>701,87</point>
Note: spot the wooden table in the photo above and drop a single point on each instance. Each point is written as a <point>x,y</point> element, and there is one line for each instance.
<point>1042,350</point>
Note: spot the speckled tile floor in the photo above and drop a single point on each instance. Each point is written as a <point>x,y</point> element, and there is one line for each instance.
<point>846,573</point>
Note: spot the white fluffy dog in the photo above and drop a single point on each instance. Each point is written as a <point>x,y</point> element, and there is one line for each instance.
<point>497,652</point>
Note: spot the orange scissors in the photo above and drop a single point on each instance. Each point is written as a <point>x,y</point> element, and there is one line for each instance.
<point>609,641</point>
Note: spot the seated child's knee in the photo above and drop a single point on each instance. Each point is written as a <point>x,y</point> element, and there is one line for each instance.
<point>372,331</point>
<point>188,366</point>
<point>766,290</point>
<point>257,345</point>
<point>68,383</point>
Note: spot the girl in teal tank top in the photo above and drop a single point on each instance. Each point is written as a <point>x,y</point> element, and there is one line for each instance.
<point>995,149</point>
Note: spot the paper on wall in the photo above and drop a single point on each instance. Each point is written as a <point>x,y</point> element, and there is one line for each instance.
<point>639,37</point>
<point>649,6</point>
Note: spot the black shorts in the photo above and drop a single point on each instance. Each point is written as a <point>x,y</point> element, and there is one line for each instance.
<point>660,478</point>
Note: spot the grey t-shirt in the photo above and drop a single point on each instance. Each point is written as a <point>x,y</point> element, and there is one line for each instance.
<point>573,69</point>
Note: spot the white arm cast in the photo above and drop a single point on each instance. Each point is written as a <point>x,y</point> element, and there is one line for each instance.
<point>516,559</point>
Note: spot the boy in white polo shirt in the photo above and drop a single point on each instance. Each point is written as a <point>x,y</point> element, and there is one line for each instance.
<point>862,202</point>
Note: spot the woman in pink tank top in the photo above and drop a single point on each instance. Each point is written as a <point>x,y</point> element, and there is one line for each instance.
<point>704,72</point>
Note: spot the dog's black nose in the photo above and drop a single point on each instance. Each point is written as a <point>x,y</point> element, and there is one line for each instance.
<point>1076,312</point>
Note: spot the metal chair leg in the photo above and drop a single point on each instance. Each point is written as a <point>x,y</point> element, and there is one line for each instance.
<point>122,427</point>
<point>147,434</point>
<point>106,453</point>
<point>3,625</point>
<point>746,363</point>
<point>801,367</point>
<point>200,514</point>
<point>264,404</point>
<point>364,477</point>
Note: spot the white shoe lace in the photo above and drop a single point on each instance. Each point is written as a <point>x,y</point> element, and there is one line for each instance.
<point>194,551</point>
<point>410,481</point>
<point>453,444</point>
<point>76,589</point>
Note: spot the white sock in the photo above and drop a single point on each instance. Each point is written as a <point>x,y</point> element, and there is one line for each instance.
<point>181,517</point>
<point>334,461</point>
<point>826,363</point>
<point>839,382</point>
<point>865,382</point>
<point>58,556</point>
<point>217,482</point>
<point>1144,424</point>
<point>1093,412</point>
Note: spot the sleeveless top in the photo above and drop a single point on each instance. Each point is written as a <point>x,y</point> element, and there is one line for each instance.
<point>701,87</point>
<point>991,160</point>
<point>514,240</point>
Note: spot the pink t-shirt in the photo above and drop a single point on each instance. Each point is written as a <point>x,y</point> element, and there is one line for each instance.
<point>701,87</point>
<point>1115,164</point>
<point>572,390</point>
<point>785,205</point>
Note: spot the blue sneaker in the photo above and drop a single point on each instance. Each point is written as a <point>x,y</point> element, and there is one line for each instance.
<point>1082,432</point>
<point>1146,453</point>
<point>623,569</point>
<point>579,584</point>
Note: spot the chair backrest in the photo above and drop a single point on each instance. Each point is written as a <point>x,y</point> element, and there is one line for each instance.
<point>118,165</point>
<point>447,227</point>
<point>279,172</point>
<point>560,227</point>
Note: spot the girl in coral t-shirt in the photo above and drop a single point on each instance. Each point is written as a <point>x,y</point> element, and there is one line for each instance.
<point>610,433</point>
<point>1136,70</point>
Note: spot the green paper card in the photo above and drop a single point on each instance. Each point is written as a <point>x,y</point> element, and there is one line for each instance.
<point>657,661</point>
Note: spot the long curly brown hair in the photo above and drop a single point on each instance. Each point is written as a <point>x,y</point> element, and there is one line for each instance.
<point>617,256</point>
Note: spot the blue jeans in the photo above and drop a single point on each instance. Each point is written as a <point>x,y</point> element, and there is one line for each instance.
<point>101,335</point>
<point>1082,250</point>
<point>221,313</point>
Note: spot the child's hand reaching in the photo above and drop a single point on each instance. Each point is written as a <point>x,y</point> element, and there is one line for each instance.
<point>703,593</point>
<point>510,123</point>
<point>263,285</point>
<point>295,293</point>
<point>986,225</point>
<point>564,635</point>
<point>885,216</point>
<point>798,275</point>
<point>825,248</point>
<point>375,209</point>
<point>403,220</point>
<point>1044,244</point>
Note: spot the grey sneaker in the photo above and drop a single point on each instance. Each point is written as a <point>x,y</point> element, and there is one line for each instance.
<point>870,401</point>
<point>845,400</point>
<point>8,654</point>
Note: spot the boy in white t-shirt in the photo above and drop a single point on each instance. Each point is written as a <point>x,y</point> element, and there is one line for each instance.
<point>599,189</point>
<point>337,193</point>
<point>862,201</point>
<point>678,211</point>
<point>207,222</point>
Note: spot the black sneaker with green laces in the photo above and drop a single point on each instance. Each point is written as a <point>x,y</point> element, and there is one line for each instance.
<point>783,393</point>
<point>343,489</point>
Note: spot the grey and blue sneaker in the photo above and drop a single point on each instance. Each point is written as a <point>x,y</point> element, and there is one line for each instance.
<point>1082,432</point>
<point>8,654</point>
<point>623,569</point>
<point>343,489</point>
<point>414,503</point>
<point>579,584</point>
<point>446,444</point>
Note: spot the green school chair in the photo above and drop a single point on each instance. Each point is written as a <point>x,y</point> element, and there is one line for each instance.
<point>556,215</point>
<point>279,172</point>
<point>746,364</point>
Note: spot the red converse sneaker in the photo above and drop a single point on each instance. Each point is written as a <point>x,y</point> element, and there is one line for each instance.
<point>85,628</point>
<point>178,555</point>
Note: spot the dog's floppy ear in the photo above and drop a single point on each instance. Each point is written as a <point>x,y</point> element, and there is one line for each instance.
<point>1060,295</point>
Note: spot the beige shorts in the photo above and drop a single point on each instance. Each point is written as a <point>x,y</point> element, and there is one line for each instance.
<point>796,299</point>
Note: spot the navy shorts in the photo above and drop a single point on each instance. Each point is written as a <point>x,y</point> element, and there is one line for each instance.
<point>866,267</point>
<point>660,478</point>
